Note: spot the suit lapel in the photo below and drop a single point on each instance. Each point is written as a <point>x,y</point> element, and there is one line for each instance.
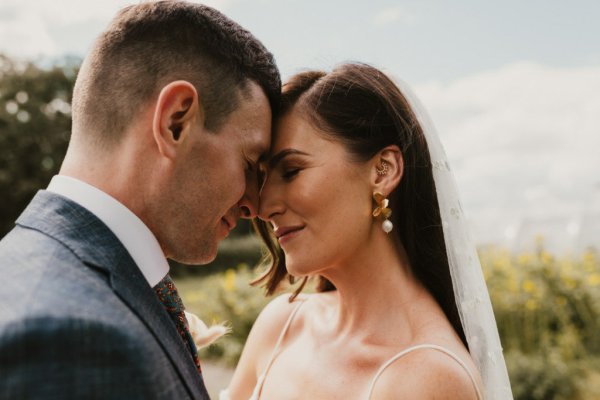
<point>135,292</point>
<point>95,244</point>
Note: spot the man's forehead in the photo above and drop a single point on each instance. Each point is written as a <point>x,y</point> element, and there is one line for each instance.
<point>252,121</point>
<point>257,143</point>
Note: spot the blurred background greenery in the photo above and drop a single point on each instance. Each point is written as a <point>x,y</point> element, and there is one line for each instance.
<point>547,307</point>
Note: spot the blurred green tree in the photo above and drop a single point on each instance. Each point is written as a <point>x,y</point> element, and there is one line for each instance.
<point>35,125</point>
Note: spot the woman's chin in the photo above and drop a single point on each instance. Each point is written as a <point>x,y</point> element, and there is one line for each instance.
<point>300,271</point>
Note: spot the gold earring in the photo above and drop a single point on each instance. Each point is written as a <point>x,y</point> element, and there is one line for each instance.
<point>383,210</point>
<point>383,169</point>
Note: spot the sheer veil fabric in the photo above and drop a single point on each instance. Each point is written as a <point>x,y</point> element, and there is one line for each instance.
<point>470,290</point>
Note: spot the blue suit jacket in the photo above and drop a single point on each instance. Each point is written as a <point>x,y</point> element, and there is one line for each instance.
<point>77,317</point>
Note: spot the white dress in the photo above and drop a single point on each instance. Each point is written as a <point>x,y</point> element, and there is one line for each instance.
<point>224,395</point>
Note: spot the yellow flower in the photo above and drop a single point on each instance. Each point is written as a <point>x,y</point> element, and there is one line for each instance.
<point>524,258</point>
<point>528,286</point>
<point>229,280</point>
<point>594,279</point>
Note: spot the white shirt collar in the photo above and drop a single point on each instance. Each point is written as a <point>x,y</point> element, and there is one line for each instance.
<point>135,236</point>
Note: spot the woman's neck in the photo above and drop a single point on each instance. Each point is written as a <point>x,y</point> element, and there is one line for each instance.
<point>376,294</point>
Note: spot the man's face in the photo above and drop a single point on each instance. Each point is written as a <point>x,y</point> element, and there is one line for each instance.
<point>215,182</point>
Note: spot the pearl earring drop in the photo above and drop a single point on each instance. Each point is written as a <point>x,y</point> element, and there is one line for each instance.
<point>387,226</point>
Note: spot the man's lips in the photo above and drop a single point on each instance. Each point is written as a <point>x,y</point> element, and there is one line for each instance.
<point>283,231</point>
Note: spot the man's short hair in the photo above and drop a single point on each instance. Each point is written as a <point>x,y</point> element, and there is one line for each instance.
<point>148,45</point>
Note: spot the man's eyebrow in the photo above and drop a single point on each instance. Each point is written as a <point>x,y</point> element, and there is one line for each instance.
<point>276,159</point>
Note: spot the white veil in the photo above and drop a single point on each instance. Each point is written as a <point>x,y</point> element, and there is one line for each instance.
<point>470,290</point>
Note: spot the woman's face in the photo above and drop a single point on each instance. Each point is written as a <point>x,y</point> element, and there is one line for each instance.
<point>317,199</point>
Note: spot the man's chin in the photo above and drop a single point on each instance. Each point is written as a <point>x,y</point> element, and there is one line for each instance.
<point>197,258</point>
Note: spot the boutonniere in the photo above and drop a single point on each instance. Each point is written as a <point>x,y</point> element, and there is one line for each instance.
<point>202,334</point>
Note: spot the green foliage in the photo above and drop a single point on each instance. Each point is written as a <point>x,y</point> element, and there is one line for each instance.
<point>543,375</point>
<point>224,297</point>
<point>544,302</point>
<point>548,315</point>
<point>35,124</point>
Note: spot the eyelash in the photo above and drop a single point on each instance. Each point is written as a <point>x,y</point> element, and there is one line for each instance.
<point>290,173</point>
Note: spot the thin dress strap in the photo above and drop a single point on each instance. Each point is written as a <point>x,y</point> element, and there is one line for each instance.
<point>261,379</point>
<point>424,346</point>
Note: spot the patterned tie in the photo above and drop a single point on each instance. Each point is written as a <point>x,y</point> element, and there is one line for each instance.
<point>167,294</point>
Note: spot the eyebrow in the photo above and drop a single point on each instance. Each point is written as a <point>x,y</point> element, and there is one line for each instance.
<point>276,159</point>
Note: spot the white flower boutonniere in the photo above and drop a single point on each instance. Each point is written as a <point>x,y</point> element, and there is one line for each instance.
<point>202,334</point>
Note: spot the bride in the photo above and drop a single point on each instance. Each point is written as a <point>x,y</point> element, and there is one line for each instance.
<point>357,193</point>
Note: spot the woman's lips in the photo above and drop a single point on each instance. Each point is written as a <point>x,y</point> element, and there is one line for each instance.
<point>286,233</point>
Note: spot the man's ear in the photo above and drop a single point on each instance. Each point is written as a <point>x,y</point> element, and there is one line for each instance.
<point>387,167</point>
<point>177,111</point>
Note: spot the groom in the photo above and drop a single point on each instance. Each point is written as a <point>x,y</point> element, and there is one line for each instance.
<point>171,112</point>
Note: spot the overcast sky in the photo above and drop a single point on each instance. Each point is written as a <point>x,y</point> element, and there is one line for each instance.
<point>513,86</point>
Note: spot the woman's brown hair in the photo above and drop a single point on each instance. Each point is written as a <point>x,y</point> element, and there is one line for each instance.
<point>361,107</point>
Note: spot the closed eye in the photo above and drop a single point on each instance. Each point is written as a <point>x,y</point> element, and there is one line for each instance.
<point>290,173</point>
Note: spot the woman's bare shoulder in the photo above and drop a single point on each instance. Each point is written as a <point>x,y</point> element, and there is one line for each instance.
<point>260,345</point>
<point>425,374</point>
<point>272,319</point>
<point>276,313</point>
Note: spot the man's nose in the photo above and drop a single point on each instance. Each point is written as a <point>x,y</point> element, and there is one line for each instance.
<point>271,201</point>
<point>249,203</point>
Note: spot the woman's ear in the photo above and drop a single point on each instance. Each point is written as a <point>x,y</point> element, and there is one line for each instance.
<point>387,167</point>
<point>177,111</point>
